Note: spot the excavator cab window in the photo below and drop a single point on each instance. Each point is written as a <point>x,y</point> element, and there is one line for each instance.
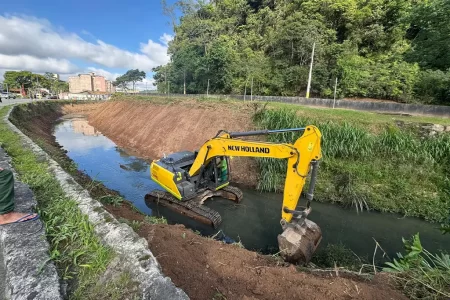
<point>222,170</point>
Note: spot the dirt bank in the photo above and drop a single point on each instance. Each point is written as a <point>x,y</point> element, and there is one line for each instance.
<point>204,268</point>
<point>151,130</point>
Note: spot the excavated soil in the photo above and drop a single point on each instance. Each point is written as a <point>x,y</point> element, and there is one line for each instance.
<point>203,267</point>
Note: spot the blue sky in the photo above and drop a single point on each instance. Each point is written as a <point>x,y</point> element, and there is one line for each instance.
<point>70,37</point>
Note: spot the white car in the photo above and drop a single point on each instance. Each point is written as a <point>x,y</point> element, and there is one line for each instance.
<point>5,95</point>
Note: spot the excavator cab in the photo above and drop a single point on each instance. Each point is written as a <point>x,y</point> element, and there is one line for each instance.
<point>218,172</point>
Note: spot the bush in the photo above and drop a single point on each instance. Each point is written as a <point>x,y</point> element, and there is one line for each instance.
<point>433,87</point>
<point>392,170</point>
<point>376,77</point>
<point>421,274</point>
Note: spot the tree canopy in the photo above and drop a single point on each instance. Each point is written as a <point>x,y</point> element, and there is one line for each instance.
<point>376,48</point>
<point>131,76</point>
<point>28,80</point>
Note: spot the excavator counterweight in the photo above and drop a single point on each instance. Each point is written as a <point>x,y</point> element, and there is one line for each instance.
<point>190,178</point>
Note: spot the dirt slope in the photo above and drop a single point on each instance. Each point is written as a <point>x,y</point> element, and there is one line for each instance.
<point>207,269</point>
<point>150,130</point>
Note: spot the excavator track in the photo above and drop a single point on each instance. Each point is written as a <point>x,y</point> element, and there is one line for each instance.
<point>194,208</point>
<point>232,193</point>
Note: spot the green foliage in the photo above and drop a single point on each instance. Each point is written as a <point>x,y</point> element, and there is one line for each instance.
<point>111,199</point>
<point>337,255</point>
<point>132,76</point>
<point>422,275</point>
<point>268,43</point>
<point>155,220</point>
<point>358,165</point>
<point>434,85</point>
<point>377,78</point>
<point>122,287</point>
<point>28,80</point>
<point>429,33</point>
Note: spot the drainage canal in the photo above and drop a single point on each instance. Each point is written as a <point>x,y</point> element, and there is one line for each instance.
<point>255,222</point>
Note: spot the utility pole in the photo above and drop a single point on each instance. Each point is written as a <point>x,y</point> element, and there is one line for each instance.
<point>207,89</point>
<point>184,82</point>
<point>334,98</point>
<point>245,88</point>
<point>251,91</point>
<point>165,79</point>
<point>310,71</point>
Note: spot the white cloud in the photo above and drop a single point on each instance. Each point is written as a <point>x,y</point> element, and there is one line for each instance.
<point>146,84</point>
<point>24,41</point>
<point>30,63</point>
<point>166,38</point>
<point>108,75</point>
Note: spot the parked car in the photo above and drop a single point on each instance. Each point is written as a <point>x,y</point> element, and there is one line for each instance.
<point>6,95</point>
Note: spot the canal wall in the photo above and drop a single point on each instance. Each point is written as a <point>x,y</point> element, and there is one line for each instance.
<point>132,252</point>
<point>25,269</point>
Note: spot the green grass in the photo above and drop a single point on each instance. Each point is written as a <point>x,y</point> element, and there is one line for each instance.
<point>392,170</point>
<point>421,274</point>
<point>79,256</point>
<point>363,118</point>
<point>155,220</point>
<point>119,288</point>
<point>367,119</point>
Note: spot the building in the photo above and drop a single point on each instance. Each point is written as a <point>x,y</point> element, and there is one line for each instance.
<point>99,83</point>
<point>55,76</point>
<point>110,88</point>
<point>90,83</point>
<point>81,83</point>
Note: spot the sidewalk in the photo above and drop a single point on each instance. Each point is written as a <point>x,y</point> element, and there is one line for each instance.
<point>25,269</point>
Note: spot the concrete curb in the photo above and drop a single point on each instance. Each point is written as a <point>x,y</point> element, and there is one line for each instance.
<point>133,251</point>
<point>25,266</point>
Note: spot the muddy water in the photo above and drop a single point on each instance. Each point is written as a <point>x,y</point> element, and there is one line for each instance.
<point>255,222</point>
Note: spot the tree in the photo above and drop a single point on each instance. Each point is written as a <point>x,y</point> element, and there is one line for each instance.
<point>18,79</point>
<point>134,76</point>
<point>122,82</point>
<point>430,34</point>
<point>60,86</point>
<point>364,43</point>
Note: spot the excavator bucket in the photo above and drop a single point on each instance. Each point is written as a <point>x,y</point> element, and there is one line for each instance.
<point>298,243</point>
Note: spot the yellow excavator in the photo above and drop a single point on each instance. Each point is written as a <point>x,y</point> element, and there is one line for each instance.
<point>190,178</point>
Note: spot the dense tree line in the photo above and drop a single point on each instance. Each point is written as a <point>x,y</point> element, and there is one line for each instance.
<point>387,49</point>
<point>26,80</point>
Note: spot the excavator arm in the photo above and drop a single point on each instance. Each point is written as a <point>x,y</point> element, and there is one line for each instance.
<point>302,155</point>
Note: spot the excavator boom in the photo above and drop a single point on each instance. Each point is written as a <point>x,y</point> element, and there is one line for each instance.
<point>300,155</point>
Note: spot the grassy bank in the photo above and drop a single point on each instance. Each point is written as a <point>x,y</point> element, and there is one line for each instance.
<point>386,168</point>
<point>79,256</point>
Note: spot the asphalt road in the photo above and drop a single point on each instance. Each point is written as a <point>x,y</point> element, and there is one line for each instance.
<point>16,101</point>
